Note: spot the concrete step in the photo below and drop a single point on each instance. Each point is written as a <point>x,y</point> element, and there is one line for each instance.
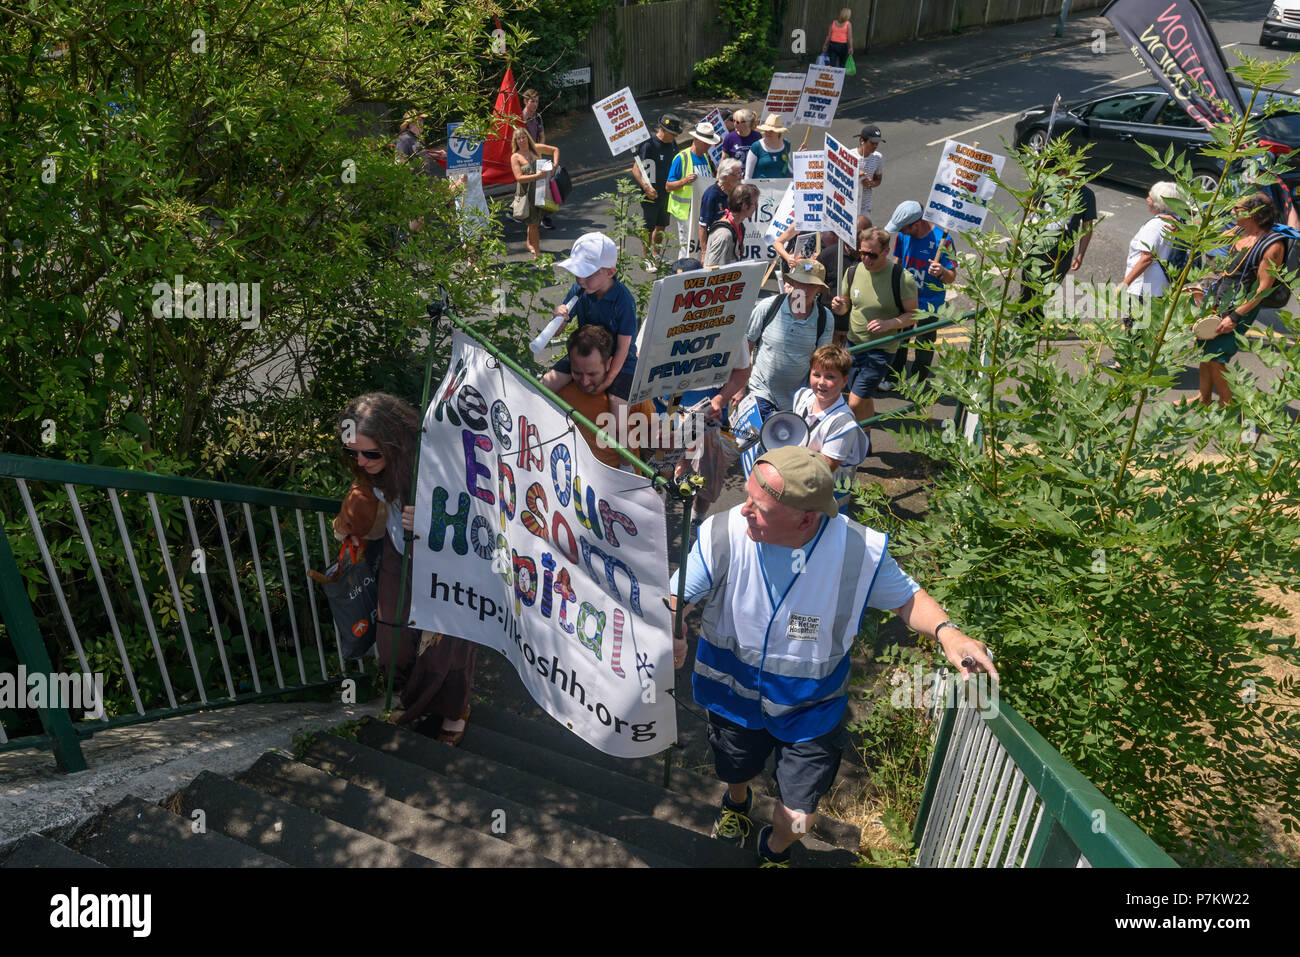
<point>37,851</point>
<point>417,831</point>
<point>133,833</point>
<point>286,831</point>
<point>635,828</point>
<point>699,791</point>
<point>522,825</point>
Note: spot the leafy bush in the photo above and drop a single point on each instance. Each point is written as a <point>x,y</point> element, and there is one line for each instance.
<point>1111,543</point>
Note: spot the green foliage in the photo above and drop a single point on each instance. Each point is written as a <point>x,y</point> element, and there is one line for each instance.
<point>556,30</point>
<point>745,64</point>
<point>225,143</point>
<point>895,745</point>
<point>1111,543</point>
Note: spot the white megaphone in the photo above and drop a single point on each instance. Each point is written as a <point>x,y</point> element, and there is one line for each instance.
<point>780,429</point>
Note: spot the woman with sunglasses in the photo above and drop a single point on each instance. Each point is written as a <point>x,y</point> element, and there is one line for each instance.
<point>1256,252</point>
<point>380,436</point>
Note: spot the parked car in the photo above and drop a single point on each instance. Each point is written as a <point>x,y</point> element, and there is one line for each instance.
<point>1282,24</point>
<point>1116,123</point>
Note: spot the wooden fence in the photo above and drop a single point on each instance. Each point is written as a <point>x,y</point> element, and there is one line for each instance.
<point>655,46</point>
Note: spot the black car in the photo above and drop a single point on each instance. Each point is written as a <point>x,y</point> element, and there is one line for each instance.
<point>1115,124</point>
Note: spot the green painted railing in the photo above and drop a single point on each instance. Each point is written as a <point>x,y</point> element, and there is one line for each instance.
<point>155,584</point>
<point>998,795</point>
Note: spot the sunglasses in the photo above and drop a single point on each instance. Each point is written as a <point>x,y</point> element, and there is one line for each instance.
<point>870,255</point>
<point>371,454</point>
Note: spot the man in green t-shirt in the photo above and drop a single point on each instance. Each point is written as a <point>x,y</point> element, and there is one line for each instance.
<point>880,298</point>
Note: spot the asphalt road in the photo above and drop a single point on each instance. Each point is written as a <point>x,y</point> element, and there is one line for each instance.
<point>980,105</point>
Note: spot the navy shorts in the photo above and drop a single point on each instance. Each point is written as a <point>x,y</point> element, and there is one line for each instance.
<point>804,771</point>
<point>656,213</point>
<point>621,387</point>
<point>869,367</point>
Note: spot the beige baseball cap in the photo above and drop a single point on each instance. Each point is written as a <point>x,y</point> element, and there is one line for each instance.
<point>806,480</point>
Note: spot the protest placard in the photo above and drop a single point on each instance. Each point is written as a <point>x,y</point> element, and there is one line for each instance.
<point>528,544</point>
<point>821,95</point>
<point>541,190</point>
<point>714,119</point>
<point>620,121</point>
<point>840,191</point>
<point>701,186</point>
<point>809,174</point>
<point>463,155</point>
<point>782,218</point>
<point>770,192</point>
<point>694,331</point>
<point>783,95</point>
<point>962,187</point>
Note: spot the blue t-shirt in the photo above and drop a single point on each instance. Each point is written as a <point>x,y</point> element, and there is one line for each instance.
<point>916,255</point>
<point>699,164</point>
<point>712,205</point>
<point>893,587</point>
<point>616,311</point>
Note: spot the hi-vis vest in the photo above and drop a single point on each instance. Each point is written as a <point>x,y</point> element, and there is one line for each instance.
<point>786,668</point>
<point>679,202</point>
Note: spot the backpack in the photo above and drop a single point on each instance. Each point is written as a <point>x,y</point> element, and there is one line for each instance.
<point>1280,292</point>
<point>775,307</point>
<point>895,283</point>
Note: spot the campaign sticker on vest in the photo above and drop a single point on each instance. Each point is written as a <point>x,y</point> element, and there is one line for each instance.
<point>531,546</point>
<point>804,627</point>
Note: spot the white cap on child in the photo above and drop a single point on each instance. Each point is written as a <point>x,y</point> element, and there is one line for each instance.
<point>592,251</point>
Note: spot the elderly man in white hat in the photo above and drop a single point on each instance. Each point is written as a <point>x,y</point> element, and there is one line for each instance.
<point>689,165</point>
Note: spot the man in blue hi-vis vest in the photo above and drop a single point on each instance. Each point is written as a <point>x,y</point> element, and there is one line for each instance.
<point>784,580</point>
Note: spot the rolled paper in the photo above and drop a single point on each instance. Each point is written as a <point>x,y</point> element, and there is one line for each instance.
<point>557,322</point>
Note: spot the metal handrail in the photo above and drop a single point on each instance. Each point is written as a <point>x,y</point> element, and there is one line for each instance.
<point>114,569</point>
<point>997,794</point>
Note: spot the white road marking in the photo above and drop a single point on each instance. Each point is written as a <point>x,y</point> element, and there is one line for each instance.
<point>973,129</point>
<point>1003,119</point>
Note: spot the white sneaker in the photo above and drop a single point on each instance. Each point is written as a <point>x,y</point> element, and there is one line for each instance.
<point>648,266</point>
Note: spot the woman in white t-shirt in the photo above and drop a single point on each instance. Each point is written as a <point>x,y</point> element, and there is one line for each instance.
<point>1145,277</point>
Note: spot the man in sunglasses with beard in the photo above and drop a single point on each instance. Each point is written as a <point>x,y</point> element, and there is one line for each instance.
<point>880,299</point>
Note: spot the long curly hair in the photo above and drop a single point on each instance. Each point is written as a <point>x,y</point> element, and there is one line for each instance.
<point>394,425</point>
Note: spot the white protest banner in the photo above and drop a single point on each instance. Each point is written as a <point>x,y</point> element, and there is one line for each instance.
<point>528,544</point>
<point>620,121</point>
<point>701,186</point>
<point>809,173</point>
<point>840,191</point>
<point>714,119</point>
<point>962,187</point>
<point>770,192</point>
<point>821,95</point>
<point>783,96</point>
<point>694,331</point>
